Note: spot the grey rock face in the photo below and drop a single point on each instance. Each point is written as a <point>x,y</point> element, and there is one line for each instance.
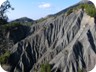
<point>68,43</point>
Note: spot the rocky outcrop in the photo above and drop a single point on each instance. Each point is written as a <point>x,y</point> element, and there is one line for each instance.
<point>68,43</point>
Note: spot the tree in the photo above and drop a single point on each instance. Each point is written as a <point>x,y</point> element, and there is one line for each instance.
<point>3,9</point>
<point>4,41</point>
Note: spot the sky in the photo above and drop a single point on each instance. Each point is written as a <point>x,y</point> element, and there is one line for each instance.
<point>1,1</point>
<point>36,9</point>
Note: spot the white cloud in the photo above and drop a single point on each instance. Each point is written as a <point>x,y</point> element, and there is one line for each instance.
<point>1,1</point>
<point>45,5</point>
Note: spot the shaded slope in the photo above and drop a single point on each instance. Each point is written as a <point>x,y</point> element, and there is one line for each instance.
<point>63,41</point>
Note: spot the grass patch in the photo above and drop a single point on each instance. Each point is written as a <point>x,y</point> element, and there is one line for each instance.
<point>45,68</point>
<point>4,57</point>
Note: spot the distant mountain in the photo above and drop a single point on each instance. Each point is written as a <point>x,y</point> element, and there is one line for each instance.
<point>23,20</point>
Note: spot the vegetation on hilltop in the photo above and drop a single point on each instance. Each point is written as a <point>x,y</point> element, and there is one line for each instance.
<point>88,8</point>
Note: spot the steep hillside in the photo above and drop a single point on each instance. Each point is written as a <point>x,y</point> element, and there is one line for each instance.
<point>66,41</point>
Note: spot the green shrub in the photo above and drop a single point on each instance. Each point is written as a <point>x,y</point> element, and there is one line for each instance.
<point>4,57</point>
<point>15,24</point>
<point>89,9</point>
<point>9,25</point>
<point>45,68</point>
<point>80,70</point>
<point>27,24</point>
<point>12,25</point>
<point>69,11</point>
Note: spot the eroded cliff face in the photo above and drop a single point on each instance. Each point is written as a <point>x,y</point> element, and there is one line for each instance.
<point>68,43</point>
